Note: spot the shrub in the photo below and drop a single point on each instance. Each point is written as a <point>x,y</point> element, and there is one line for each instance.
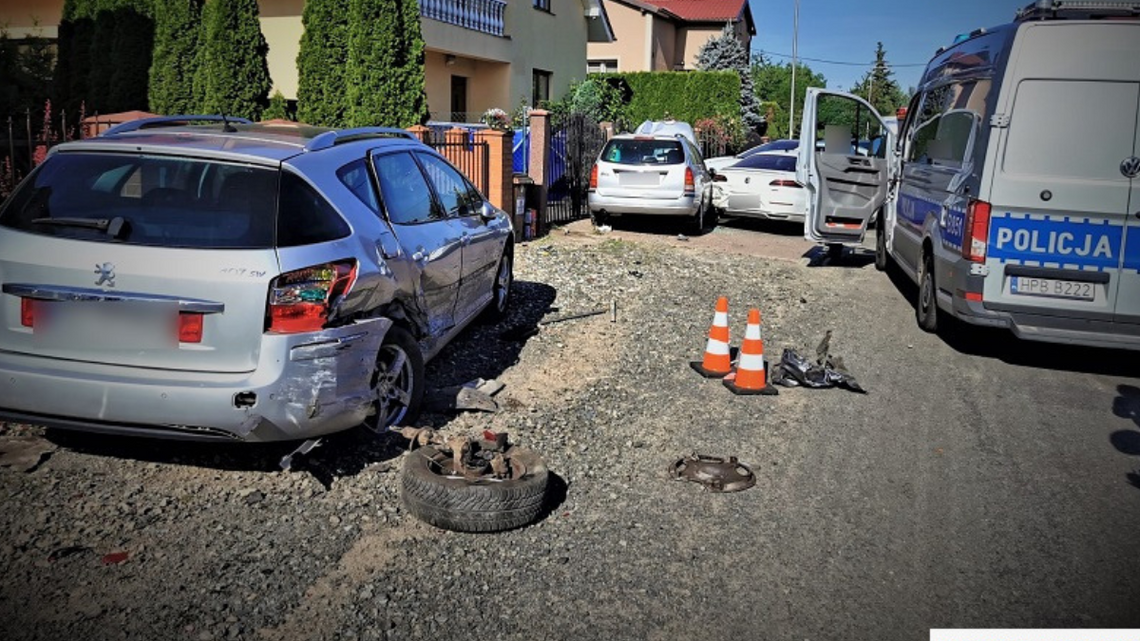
<point>385,70</point>
<point>235,75</point>
<point>322,91</point>
<point>497,119</point>
<point>278,108</point>
<point>177,29</point>
<point>685,95</point>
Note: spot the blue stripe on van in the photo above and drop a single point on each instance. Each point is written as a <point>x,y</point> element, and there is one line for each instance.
<point>1057,239</point>
<point>1132,249</point>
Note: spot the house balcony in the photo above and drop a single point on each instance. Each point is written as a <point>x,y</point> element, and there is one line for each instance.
<point>485,16</point>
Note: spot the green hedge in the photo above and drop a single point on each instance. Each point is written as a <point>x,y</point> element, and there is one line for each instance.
<point>686,95</point>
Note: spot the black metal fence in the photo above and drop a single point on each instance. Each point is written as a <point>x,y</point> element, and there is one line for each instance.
<point>25,140</point>
<point>574,149</point>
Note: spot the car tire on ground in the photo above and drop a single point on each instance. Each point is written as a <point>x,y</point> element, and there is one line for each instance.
<point>697,222</point>
<point>398,381</point>
<point>454,503</point>
<point>926,307</point>
<point>501,289</point>
<point>881,256</point>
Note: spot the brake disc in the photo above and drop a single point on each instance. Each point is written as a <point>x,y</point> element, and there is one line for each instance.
<point>717,474</point>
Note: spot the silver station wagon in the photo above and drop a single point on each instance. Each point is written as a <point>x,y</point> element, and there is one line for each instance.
<point>238,281</point>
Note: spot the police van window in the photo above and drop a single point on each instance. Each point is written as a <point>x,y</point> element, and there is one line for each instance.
<point>1050,133</point>
<point>948,120</point>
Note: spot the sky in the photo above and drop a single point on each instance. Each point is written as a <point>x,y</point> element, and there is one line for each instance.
<point>847,30</point>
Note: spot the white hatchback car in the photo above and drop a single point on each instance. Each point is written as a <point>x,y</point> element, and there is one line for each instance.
<point>652,174</point>
<point>762,186</point>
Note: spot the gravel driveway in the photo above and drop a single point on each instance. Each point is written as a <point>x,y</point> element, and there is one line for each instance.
<point>981,483</point>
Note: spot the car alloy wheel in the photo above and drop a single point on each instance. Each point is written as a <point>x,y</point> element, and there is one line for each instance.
<point>398,380</point>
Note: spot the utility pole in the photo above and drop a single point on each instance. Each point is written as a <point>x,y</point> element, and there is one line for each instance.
<point>795,63</point>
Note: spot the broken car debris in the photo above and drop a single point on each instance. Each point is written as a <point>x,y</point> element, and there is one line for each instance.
<point>717,474</point>
<point>826,372</point>
<point>474,396</point>
<point>472,484</point>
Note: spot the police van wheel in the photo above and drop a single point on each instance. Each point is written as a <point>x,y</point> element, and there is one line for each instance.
<point>926,309</point>
<point>881,257</point>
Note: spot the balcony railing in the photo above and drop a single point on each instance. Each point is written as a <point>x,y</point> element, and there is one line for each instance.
<point>479,15</point>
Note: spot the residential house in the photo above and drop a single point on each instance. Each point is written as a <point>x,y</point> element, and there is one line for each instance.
<point>480,53</point>
<point>665,35</point>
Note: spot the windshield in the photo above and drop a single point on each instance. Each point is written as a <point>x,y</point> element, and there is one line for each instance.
<point>775,145</point>
<point>156,200</point>
<point>631,151</point>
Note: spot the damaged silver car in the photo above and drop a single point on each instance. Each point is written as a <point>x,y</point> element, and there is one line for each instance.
<point>239,281</point>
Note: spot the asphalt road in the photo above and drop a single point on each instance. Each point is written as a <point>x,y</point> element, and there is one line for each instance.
<point>984,481</point>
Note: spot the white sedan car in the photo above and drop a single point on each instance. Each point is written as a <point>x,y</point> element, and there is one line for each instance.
<point>788,147</point>
<point>762,186</point>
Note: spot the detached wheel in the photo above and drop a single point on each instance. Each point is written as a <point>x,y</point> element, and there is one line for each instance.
<point>501,290</point>
<point>398,382</point>
<point>434,492</point>
<point>926,308</point>
<point>881,256</point>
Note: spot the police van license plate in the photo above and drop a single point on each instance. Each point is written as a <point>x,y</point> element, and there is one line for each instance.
<point>1052,288</point>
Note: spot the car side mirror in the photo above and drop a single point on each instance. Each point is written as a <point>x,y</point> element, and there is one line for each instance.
<point>488,212</point>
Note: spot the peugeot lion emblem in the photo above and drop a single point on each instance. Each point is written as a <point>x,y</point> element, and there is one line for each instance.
<point>1130,167</point>
<point>106,273</point>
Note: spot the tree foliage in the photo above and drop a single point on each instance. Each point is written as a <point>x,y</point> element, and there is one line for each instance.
<point>104,57</point>
<point>278,108</point>
<point>177,29</point>
<point>26,70</point>
<point>385,68</point>
<point>235,75</point>
<point>879,87</point>
<point>773,86</point>
<point>322,91</point>
<point>726,52</point>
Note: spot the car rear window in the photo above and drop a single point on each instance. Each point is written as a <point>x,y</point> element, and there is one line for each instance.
<point>165,201</point>
<point>768,161</point>
<point>630,151</point>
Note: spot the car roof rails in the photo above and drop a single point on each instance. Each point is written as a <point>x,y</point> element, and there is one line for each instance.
<point>1079,10</point>
<point>341,136</point>
<point>171,121</point>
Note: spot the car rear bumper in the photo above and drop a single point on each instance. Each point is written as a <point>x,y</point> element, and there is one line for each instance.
<point>305,385</point>
<point>683,206</point>
<point>775,212</point>
<point>1051,329</point>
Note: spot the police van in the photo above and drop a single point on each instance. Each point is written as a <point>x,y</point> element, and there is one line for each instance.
<point>1012,195</point>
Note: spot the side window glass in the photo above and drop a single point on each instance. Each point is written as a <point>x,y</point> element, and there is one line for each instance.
<point>407,197</point>
<point>453,190</point>
<point>354,175</point>
<point>947,122</point>
<point>304,217</point>
<point>845,126</point>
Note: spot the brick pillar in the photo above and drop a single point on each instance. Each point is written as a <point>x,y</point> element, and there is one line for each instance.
<point>421,132</point>
<point>539,169</point>
<point>501,168</point>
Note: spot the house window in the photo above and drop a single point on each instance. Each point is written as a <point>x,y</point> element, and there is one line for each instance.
<point>542,5</point>
<point>601,66</point>
<point>540,87</point>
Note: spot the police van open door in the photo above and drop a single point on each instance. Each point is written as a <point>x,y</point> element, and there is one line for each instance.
<point>843,163</point>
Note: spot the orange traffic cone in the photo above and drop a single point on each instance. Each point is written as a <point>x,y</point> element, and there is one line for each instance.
<point>750,379</point>
<point>718,361</point>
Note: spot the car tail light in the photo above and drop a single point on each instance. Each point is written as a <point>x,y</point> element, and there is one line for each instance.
<point>299,301</point>
<point>785,183</point>
<point>190,327</point>
<point>27,312</point>
<point>594,178</point>
<point>977,231</point>
<point>690,185</point>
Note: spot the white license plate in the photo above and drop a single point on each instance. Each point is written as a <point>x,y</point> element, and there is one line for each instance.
<point>637,179</point>
<point>107,325</point>
<point>1052,288</point>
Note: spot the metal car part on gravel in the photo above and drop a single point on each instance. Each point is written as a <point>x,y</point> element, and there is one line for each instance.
<point>717,474</point>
